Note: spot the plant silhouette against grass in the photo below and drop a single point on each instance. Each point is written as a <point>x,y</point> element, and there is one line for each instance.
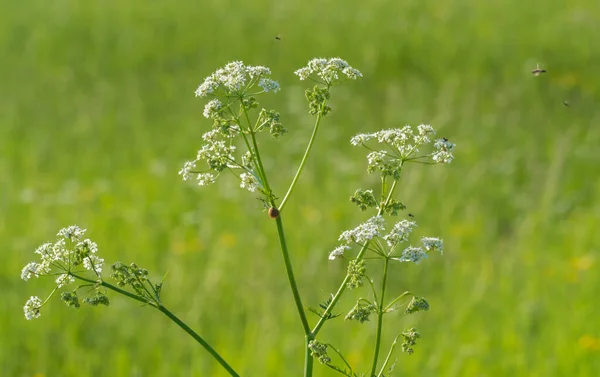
<point>232,146</point>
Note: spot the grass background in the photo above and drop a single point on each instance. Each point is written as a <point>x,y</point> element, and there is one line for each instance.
<point>98,115</point>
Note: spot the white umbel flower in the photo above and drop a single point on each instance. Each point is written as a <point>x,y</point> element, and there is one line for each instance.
<point>249,182</point>
<point>328,70</point>
<point>364,232</point>
<point>63,280</point>
<point>236,77</point>
<point>338,252</point>
<point>32,307</point>
<point>412,254</point>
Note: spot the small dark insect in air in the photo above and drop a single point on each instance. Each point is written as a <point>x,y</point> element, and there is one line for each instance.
<point>538,71</point>
<point>445,138</point>
<point>566,103</point>
<point>411,215</point>
<point>278,37</point>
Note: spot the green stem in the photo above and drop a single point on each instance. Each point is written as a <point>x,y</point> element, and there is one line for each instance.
<point>291,278</point>
<point>380,313</point>
<point>261,168</point>
<point>308,359</point>
<point>336,297</point>
<point>143,284</point>
<point>114,288</point>
<point>304,159</point>
<point>396,300</point>
<point>388,198</point>
<point>389,355</point>
<point>343,359</point>
<point>342,287</point>
<point>171,316</point>
<point>199,339</point>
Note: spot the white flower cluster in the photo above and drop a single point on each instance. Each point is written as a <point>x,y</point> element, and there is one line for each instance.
<point>443,151</point>
<point>65,255</point>
<point>211,109</point>
<point>60,256</point>
<point>364,232</point>
<point>64,279</point>
<point>32,307</point>
<point>433,244</point>
<point>400,232</point>
<point>404,140</point>
<point>338,252</point>
<point>412,254</point>
<point>226,85</point>
<point>249,182</point>
<point>72,232</point>
<point>375,227</point>
<point>236,77</point>
<point>217,153</point>
<point>228,132</point>
<point>247,159</point>
<point>405,143</point>
<point>328,69</point>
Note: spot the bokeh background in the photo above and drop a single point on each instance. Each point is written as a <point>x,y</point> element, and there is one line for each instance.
<point>98,115</point>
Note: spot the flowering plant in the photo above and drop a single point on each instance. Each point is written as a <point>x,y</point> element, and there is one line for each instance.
<point>231,145</point>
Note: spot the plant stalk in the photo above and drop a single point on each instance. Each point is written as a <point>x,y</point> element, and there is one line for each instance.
<point>304,159</point>
<point>290,273</point>
<point>308,359</point>
<point>380,313</point>
<point>171,316</point>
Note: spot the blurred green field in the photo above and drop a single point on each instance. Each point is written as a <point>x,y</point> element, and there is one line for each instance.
<point>97,115</point>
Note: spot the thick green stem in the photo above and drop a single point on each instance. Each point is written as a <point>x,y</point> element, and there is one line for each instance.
<point>304,159</point>
<point>290,273</point>
<point>171,316</point>
<point>380,313</point>
<point>199,339</point>
<point>284,250</point>
<point>308,359</point>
